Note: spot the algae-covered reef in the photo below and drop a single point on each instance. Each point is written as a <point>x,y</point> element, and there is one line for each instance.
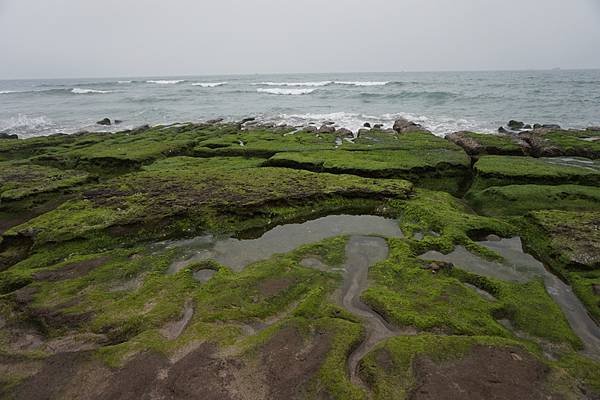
<point>234,261</point>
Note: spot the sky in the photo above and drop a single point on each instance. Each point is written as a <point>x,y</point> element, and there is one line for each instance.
<point>120,38</point>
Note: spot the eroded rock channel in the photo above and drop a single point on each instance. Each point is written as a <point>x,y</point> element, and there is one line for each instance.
<point>519,266</point>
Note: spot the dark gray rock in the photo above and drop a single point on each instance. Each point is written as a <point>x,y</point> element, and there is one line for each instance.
<point>537,126</point>
<point>118,121</point>
<point>249,119</point>
<point>377,126</point>
<point>515,125</point>
<point>214,121</point>
<point>367,125</point>
<point>402,125</point>
<point>527,126</point>
<point>4,135</point>
<point>551,126</point>
<point>104,121</point>
<point>502,130</point>
<point>343,132</point>
<point>310,129</point>
<point>326,129</point>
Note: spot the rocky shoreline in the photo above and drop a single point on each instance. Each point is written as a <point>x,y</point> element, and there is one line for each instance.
<point>91,225</point>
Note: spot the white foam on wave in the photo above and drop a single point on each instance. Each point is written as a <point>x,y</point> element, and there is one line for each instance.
<point>209,84</point>
<point>307,84</point>
<point>361,83</point>
<point>167,82</point>
<point>89,91</point>
<point>289,92</point>
<point>25,125</point>
<point>123,82</point>
<point>7,91</point>
<point>439,126</point>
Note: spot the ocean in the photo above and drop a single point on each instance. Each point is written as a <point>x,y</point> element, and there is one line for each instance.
<point>443,102</point>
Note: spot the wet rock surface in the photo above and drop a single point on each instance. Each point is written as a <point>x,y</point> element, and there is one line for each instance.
<point>244,260</point>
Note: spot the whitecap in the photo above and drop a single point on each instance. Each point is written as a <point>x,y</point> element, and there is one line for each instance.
<point>25,125</point>
<point>361,83</point>
<point>290,92</point>
<point>209,84</point>
<point>308,84</point>
<point>7,91</point>
<point>167,82</point>
<point>89,91</point>
<point>123,82</point>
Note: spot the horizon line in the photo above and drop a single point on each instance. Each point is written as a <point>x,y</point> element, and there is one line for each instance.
<point>303,73</point>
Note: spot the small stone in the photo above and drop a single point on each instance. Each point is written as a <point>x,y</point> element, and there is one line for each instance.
<point>527,126</point>
<point>104,121</point>
<point>367,125</point>
<point>310,129</point>
<point>377,126</point>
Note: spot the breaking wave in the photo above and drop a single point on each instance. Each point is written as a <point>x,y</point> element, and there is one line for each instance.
<point>166,82</point>
<point>289,92</point>
<point>89,91</point>
<point>209,84</point>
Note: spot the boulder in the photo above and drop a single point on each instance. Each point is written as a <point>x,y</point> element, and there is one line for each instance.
<point>104,121</point>
<point>343,132</point>
<point>471,146</point>
<point>326,129</point>
<point>4,135</point>
<point>527,126</point>
<point>367,125</point>
<point>515,125</point>
<point>502,130</point>
<point>402,125</point>
<point>377,126</point>
<point>310,129</point>
<point>537,126</point>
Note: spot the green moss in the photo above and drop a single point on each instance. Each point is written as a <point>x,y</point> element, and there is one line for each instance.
<point>198,189</point>
<point>494,143</point>
<point>19,180</point>
<point>520,199</point>
<point>572,143</point>
<point>508,170</point>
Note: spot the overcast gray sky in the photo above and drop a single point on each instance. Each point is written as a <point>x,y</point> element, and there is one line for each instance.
<point>86,38</point>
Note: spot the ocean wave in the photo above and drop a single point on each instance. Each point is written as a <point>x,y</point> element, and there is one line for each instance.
<point>290,92</point>
<point>407,94</point>
<point>209,84</point>
<point>89,91</point>
<point>166,82</point>
<point>124,82</point>
<point>361,83</point>
<point>293,84</point>
<point>8,91</point>
<point>24,125</point>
